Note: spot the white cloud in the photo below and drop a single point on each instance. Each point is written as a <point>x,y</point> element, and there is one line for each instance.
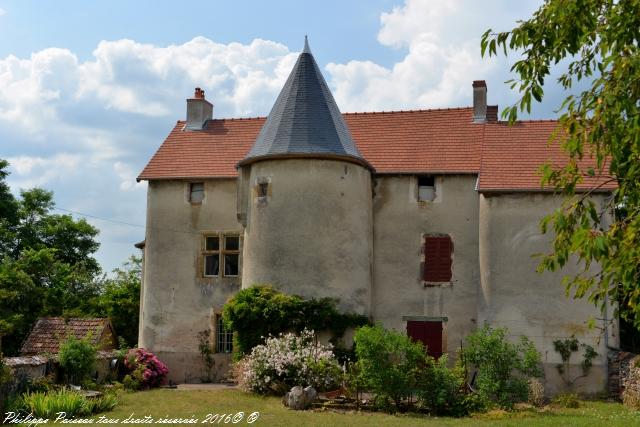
<point>442,40</point>
<point>2,12</point>
<point>31,172</point>
<point>86,128</point>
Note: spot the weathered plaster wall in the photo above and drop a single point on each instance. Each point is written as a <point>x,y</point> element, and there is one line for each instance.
<point>178,302</point>
<point>511,293</point>
<point>400,222</point>
<point>312,234</point>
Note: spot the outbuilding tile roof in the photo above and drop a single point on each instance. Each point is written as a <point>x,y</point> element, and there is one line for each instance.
<point>397,142</point>
<point>48,332</point>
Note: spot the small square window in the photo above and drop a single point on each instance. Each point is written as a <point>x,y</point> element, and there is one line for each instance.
<point>426,188</point>
<point>196,193</point>
<point>213,243</point>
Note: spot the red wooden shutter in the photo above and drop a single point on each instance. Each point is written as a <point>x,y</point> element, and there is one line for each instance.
<point>428,333</point>
<point>437,258</point>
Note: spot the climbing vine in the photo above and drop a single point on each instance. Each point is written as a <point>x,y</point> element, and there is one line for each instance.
<point>566,348</point>
<point>259,311</point>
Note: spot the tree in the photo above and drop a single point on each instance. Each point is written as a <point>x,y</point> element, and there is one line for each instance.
<point>120,300</point>
<point>595,42</point>
<point>47,266</point>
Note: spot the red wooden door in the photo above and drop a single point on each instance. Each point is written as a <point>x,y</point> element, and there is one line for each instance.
<point>429,333</point>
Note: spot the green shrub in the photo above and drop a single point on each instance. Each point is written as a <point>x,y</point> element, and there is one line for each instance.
<point>443,391</point>
<point>78,358</point>
<point>567,400</point>
<point>260,311</point>
<point>47,405</point>
<point>130,382</point>
<point>504,368</point>
<point>104,403</point>
<point>390,364</point>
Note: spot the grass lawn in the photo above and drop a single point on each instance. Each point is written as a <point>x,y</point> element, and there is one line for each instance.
<point>185,404</point>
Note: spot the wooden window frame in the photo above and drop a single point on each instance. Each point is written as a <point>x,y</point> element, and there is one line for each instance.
<point>220,252</point>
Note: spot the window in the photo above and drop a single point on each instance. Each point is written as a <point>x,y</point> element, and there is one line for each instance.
<point>221,253</point>
<point>426,188</point>
<point>263,189</point>
<point>224,337</point>
<point>437,258</point>
<point>429,333</point>
<point>231,255</point>
<point>196,192</point>
<point>211,256</point>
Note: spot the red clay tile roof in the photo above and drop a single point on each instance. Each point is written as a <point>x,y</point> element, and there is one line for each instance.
<point>48,332</point>
<point>421,141</point>
<point>512,156</point>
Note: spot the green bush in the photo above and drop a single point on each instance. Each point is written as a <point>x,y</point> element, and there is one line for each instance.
<point>47,405</point>
<point>504,368</point>
<point>78,358</point>
<point>567,400</point>
<point>261,311</point>
<point>390,364</point>
<point>443,391</point>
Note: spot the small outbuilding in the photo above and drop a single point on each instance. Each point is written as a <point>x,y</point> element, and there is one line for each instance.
<point>49,332</point>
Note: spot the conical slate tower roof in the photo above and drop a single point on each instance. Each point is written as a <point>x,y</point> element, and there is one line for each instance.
<point>305,120</point>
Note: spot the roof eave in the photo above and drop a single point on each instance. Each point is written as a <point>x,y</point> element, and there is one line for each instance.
<point>318,156</point>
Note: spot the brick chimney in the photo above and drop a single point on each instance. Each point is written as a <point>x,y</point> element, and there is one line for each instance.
<point>199,110</point>
<point>479,101</point>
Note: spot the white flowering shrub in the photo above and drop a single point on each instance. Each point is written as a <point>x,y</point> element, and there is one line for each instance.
<point>286,361</point>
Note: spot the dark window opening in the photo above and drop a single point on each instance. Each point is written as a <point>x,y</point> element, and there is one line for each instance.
<point>211,265</point>
<point>437,258</point>
<point>428,333</point>
<point>196,192</point>
<point>221,256</point>
<point>232,243</point>
<point>263,189</point>
<point>426,181</point>
<point>213,243</point>
<point>224,337</point>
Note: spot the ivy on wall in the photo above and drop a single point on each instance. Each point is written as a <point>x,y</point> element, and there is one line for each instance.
<point>259,311</point>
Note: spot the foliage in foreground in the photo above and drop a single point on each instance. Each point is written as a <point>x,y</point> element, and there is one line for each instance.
<point>78,358</point>
<point>286,361</point>
<point>504,368</point>
<point>600,41</point>
<point>261,311</point>
<point>398,370</point>
<point>390,364</point>
<point>49,404</point>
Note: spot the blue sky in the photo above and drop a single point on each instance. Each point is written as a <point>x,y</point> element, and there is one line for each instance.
<point>89,90</point>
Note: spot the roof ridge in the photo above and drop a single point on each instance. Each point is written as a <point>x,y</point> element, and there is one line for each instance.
<point>420,110</point>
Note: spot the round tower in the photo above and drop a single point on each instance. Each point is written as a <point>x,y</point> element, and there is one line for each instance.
<point>305,198</point>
